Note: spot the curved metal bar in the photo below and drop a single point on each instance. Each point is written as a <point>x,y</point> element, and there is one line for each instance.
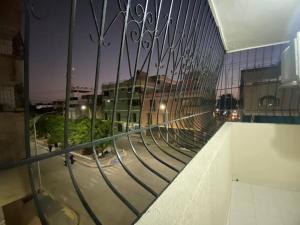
<point>174,96</point>
<point>146,165</point>
<point>164,151</point>
<point>157,77</point>
<point>69,149</point>
<point>112,187</point>
<point>185,84</point>
<point>145,89</point>
<point>66,119</point>
<point>171,48</point>
<point>129,110</point>
<point>171,51</point>
<point>27,6</point>
<point>133,90</point>
<point>210,69</point>
<point>157,158</point>
<point>145,186</point>
<point>189,49</point>
<point>210,66</point>
<point>125,201</point>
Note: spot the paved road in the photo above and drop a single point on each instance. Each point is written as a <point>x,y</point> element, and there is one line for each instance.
<point>108,208</point>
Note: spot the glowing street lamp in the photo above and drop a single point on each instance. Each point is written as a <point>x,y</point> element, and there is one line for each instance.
<point>162,106</point>
<point>84,107</point>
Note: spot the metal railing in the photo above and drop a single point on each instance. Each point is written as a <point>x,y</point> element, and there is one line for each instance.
<point>176,38</point>
<point>250,84</point>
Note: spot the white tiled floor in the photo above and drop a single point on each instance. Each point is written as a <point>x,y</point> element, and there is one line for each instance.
<point>258,205</point>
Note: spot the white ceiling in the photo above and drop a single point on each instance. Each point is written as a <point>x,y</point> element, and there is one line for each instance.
<point>248,24</point>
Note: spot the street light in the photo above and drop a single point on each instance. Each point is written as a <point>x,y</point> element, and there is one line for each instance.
<point>164,107</point>
<point>35,120</point>
<point>84,107</point>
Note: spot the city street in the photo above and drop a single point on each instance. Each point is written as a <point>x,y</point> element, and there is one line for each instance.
<point>109,209</point>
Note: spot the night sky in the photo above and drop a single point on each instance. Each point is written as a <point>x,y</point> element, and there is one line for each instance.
<point>49,42</point>
<point>49,49</point>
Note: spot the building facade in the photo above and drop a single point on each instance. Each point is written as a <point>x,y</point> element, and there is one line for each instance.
<point>160,101</point>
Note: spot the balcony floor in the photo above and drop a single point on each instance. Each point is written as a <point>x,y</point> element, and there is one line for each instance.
<point>259,205</point>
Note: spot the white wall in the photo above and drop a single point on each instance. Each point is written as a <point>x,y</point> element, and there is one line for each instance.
<point>261,154</point>
<point>266,154</point>
<point>201,192</point>
<point>254,23</point>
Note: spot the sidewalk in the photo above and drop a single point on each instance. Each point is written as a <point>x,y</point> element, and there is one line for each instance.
<point>105,162</point>
<point>56,212</point>
<point>88,161</point>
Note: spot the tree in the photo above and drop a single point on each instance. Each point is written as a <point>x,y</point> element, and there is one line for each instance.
<point>52,128</point>
<point>80,132</point>
<point>227,102</point>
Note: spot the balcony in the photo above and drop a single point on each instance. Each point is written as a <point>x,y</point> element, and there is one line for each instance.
<point>246,174</point>
<point>152,142</point>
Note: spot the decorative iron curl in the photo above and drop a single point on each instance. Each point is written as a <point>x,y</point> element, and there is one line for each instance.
<point>135,33</point>
<point>146,43</point>
<point>150,21</point>
<point>137,13</point>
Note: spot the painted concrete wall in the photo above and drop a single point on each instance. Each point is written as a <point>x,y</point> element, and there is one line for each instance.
<point>201,192</point>
<point>14,183</point>
<point>266,154</point>
<point>261,154</point>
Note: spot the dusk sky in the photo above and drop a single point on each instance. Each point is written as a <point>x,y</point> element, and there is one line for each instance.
<point>49,42</point>
<point>49,47</point>
<point>49,50</point>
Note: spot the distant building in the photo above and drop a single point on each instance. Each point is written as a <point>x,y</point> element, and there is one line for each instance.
<point>11,58</point>
<point>77,102</point>
<point>146,115</point>
<point>43,107</point>
<point>88,101</point>
<point>58,105</point>
<point>81,103</point>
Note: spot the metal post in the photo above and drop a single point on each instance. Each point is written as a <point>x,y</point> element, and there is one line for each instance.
<point>36,152</point>
<point>35,120</point>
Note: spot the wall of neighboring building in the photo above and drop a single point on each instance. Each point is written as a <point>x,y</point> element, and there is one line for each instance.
<point>270,99</point>
<point>11,62</point>
<point>11,137</point>
<point>14,183</point>
<point>262,94</point>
